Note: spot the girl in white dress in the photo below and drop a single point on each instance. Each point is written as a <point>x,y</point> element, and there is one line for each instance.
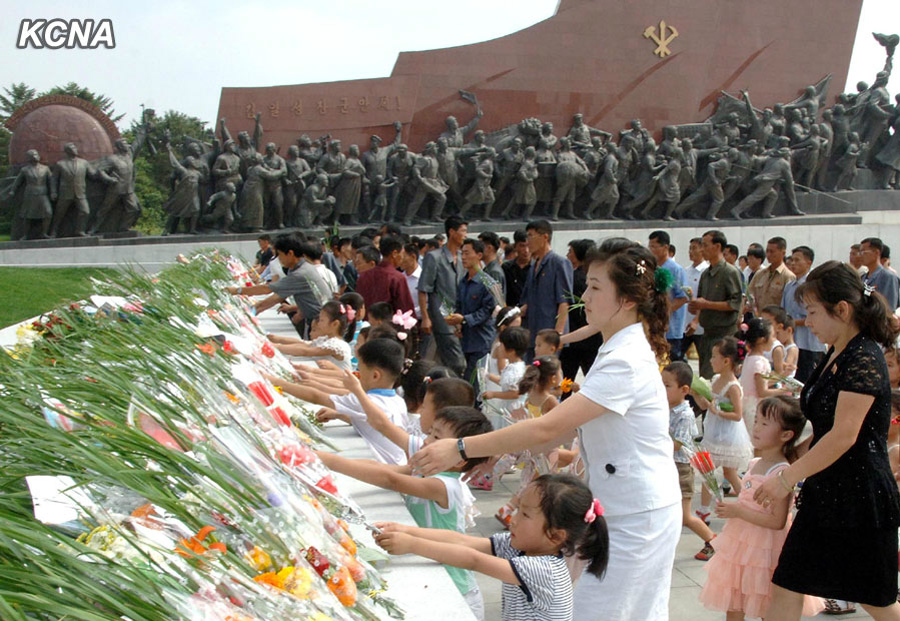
<point>724,435</point>
<point>621,415</point>
<point>328,342</point>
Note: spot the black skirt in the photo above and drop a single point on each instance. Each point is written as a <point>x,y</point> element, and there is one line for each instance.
<point>855,564</point>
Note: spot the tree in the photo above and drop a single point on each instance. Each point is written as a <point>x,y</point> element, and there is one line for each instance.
<point>154,179</point>
<point>17,95</point>
<point>101,101</point>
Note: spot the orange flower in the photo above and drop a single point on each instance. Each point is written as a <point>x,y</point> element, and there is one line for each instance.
<point>343,586</point>
<point>207,348</point>
<point>270,578</point>
<point>347,543</point>
<point>195,544</point>
<point>566,386</point>
<point>232,398</point>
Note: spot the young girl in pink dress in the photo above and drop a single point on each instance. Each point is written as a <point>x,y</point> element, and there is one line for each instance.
<point>747,550</point>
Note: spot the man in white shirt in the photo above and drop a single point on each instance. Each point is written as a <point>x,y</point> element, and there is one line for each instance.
<point>409,263</point>
<point>692,329</point>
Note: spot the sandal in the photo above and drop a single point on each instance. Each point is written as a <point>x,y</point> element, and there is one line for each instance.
<point>833,608</point>
<point>702,516</point>
<point>504,515</point>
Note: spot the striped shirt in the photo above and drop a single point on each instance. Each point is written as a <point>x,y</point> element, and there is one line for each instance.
<point>546,590</point>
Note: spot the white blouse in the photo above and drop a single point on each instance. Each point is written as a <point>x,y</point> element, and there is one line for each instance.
<point>627,451</point>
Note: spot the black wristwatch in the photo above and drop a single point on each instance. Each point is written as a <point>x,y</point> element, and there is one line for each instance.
<point>461,447</point>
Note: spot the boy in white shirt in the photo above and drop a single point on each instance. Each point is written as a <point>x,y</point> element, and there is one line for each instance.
<point>380,364</point>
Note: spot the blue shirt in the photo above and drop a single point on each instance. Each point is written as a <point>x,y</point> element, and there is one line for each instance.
<point>676,317</point>
<point>476,304</point>
<point>803,336</point>
<point>885,283</point>
<point>546,287</point>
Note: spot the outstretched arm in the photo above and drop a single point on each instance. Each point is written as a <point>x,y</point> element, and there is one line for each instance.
<point>395,478</point>
<point>481,544</point>
<point>554,426</point>
<point>451,554</point>
<point>375,416</point>
<point>304,393</point>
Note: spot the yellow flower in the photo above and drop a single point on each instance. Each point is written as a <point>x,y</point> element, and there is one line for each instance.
<point>299,582</point>
<point>258,559</point>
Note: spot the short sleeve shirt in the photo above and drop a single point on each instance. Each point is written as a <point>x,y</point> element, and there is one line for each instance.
<point>305,283</point>
<point>393,406</point>
<point>515,281</point>
<point>676,317</point>
<point>885,283</point>
<point>721,283</point>
<point>545,592</point>
<point>547,285</point>
<point>692,281</point>
<point>803,336</point>
<point>767,286</point>
<point>683,429</point>
<point>627,450</point>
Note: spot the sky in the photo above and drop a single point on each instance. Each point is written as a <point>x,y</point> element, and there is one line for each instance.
<point>178,55</point>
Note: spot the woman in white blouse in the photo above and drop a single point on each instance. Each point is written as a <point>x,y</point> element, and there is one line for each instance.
<point>621,417</point>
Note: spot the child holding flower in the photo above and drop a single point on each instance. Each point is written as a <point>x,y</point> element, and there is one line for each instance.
<point>747,550</point>
<point>725,436</point>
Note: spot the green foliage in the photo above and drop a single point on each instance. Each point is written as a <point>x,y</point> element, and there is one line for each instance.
<point>153,181</point>
<point>152,197</point>
<point>17,95</point>
<point>101,101</point>
<point>29,291</point>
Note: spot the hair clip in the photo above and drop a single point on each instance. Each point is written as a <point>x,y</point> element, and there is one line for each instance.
<point>427,379</point>
<point>536,363</point>
<point>867,290</point>
<point>641,267</point>
<point>744,327</point>
<point>594,511</point>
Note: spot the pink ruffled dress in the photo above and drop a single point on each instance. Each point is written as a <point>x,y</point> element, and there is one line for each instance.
<point>740,572</point>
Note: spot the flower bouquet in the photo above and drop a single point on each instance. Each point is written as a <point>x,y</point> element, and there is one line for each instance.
<point>188,480</point>
<point>703,464</point>
<point>790,383</point>
<point>702,387</point>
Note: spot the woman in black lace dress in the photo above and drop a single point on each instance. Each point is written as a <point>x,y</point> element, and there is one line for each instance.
<point>843,543</point>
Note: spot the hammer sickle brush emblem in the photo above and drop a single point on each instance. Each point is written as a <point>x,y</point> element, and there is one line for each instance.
<point>662,40</point>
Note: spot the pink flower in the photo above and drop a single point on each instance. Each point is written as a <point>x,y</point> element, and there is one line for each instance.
<point>744,327</point>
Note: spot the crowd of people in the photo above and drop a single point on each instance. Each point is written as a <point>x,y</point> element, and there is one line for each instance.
<point>462,358</point>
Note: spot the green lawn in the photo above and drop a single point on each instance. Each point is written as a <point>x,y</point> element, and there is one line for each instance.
<point>27,292</point>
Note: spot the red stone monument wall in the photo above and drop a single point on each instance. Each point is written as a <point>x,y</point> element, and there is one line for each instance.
<point>605,58</point>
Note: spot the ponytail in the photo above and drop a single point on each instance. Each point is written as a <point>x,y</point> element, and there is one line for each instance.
<point>539,374</point>
<point>355,301</point>
<point>594,547</point>
<point>569,505</point>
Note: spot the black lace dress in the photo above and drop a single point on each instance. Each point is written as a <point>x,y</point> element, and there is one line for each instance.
<point>843,543</point>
